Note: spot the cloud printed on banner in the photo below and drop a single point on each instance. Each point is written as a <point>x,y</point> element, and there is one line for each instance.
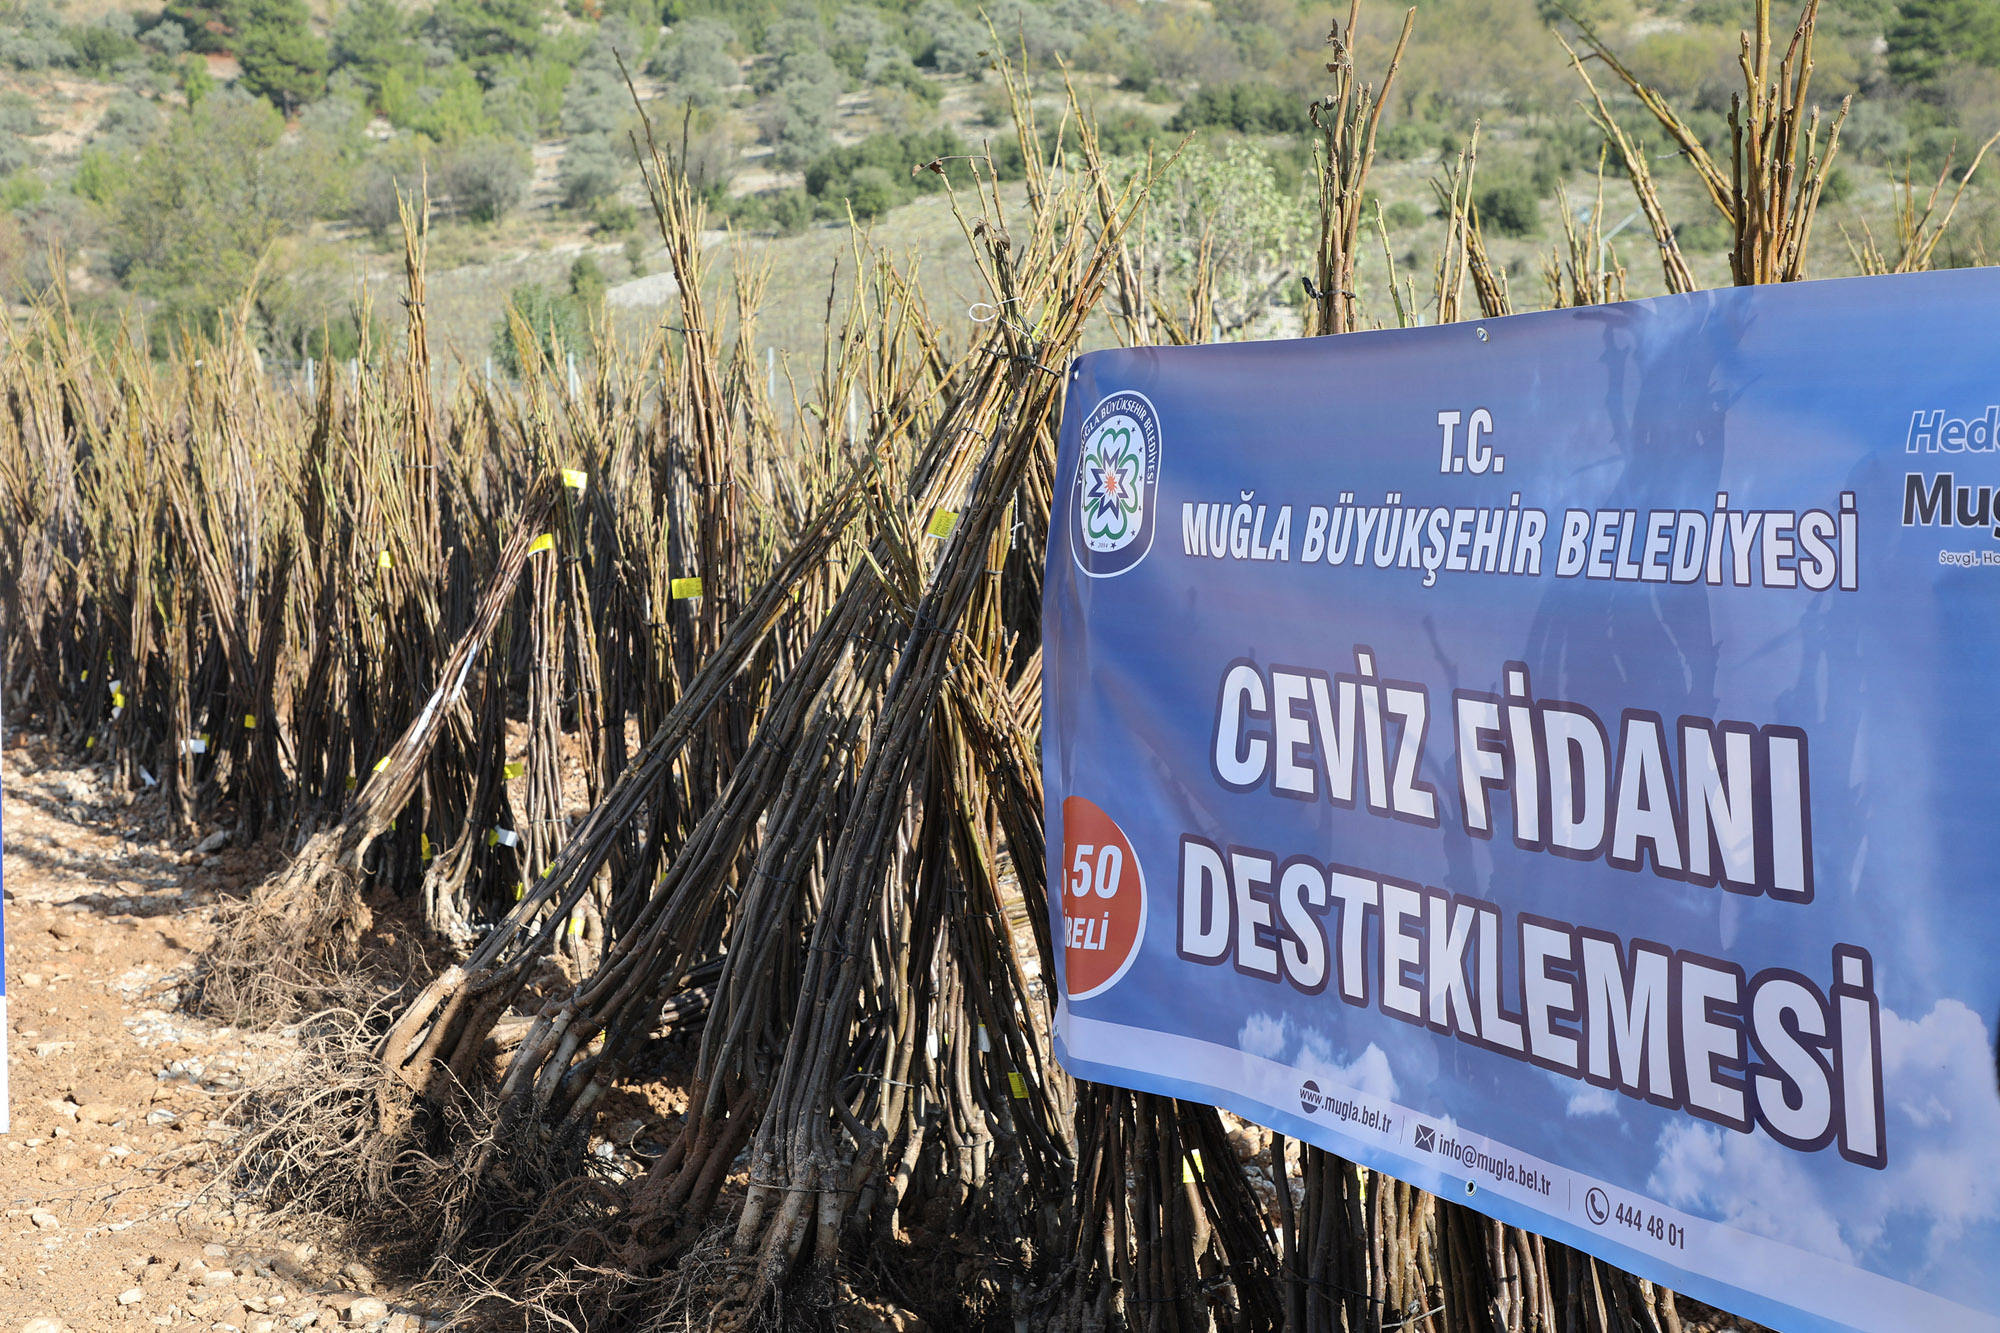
<point>1271,1036</point>
<point>1943,1124</point>
<point>1584,1099</point>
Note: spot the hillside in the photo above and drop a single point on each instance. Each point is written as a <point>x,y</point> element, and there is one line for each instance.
<point>178,157</point>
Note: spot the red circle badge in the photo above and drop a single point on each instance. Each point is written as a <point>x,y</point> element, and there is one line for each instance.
<point>1103,911</point>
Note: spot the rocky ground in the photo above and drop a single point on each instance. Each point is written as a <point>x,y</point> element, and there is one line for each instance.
<point>111,1211</point>
<point>115,1211</point>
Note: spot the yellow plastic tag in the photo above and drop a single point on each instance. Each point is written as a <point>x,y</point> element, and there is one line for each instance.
<point>1018,1084</point>
<point>520,892</point>
<point>545,542</point>
<point>90,742</point>
<point>117,698</point>
<point>381,763</point>
<point>576,926</point>
<point>683,589</point>
<point>384,561</point>
<point>492,837</point>
<point>575,480</point>
<point>942,523</point>
<point>512,771</point>
<point>249,722</point>
<point>86,677</point>
<point>424,845</point>
<point>1191,1168</point>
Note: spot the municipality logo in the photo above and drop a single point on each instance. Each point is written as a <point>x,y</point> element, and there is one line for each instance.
<point>1117,475</point>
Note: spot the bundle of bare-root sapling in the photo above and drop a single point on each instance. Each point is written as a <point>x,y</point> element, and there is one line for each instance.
<point>286,949</point>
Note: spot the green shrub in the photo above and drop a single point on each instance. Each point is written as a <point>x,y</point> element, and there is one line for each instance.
<point>587,285</point>
<point>1705,237</point>
<point>1930,151</point>
<point>589,171</point>
<point>20,189</point>
<point>1403,215</point>
<point>18,124</point>
<point>167,39</point>
<point>871,192</point>
<point>1125,134</point>
<point>694,61</point>
<point>791,211</point>
<point>554,327</point>
<point>1563,149</point>
<point>874,175</point>
<point>487,178</point>
<point>32,38</point>
<point>1509,207</point>
<point>102,47</point>
<point>612,214</point>
<point>373,204</point>
<point>902,74</point>
<point>1407,140</point>
<point>100,174</point>
<point>951,40</point>
<point>449,105</point>
<point>1247,108</point>
<point>206,199</point>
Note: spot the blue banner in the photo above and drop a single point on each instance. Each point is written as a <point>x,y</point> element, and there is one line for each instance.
<point>1551,761</point>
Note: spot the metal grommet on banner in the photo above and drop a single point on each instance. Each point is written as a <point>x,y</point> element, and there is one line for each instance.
<point>1482,332</point>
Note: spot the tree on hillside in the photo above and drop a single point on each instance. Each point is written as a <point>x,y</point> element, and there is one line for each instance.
<point>487,177</point>
<point>282,59</point>
<point>803,86</point>
<point>594,109</point>
<point>486,33</point>
<point>1928,33</point>
<point>370,38</point>
<point>589,171</point>
<point>552,323</point>
<point>206,200</point>
<point>18,124</point>
<point>953,40</point>
<point>205,23</point>
<point>694,62</point>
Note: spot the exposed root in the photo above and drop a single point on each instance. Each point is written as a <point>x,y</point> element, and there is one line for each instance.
<point>510,1231</point>
<point>292,948</point>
